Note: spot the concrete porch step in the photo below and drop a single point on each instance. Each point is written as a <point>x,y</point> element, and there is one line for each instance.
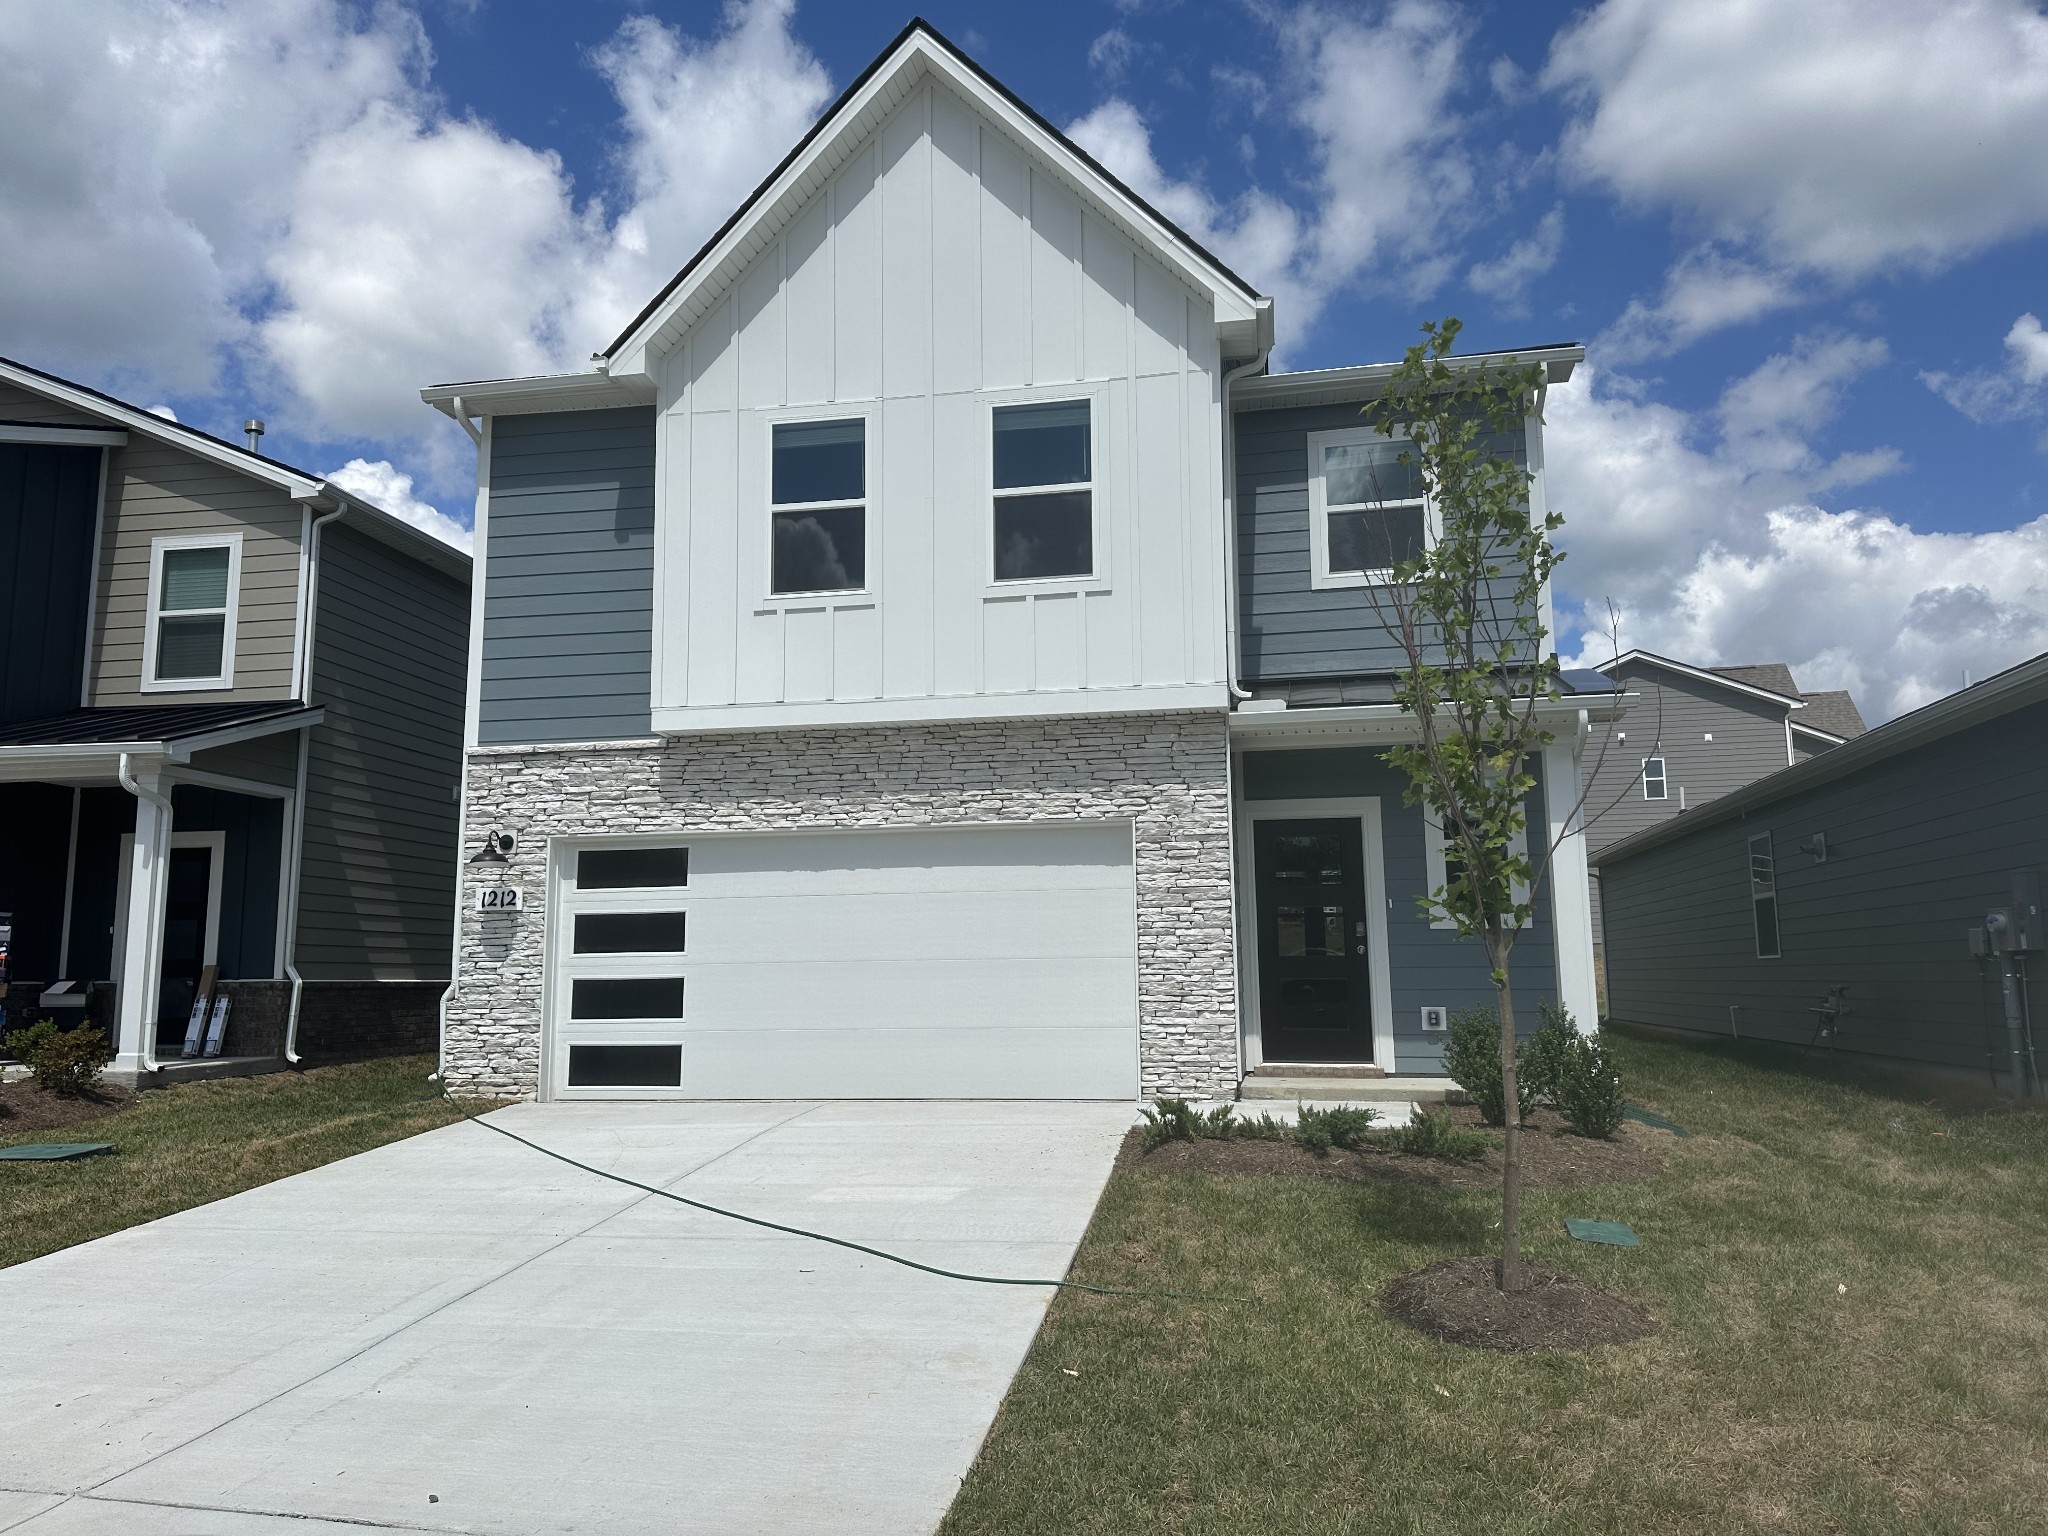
<point>1260,1088</point>
<point>1351,1069</point>
<point>198,1069</point>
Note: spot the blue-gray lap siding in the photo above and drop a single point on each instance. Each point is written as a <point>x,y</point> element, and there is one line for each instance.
<point>1918,847</point>
<point>1427,966</point>
<point>569,566</point>
<point>1290,629</point>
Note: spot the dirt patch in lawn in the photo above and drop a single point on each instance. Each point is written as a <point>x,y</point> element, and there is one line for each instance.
<point>1460,1302</point>
<point>24,1107</point>
<point>1553,1157</point>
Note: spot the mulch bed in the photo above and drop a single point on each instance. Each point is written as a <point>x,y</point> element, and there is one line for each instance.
<point>25,1107</point>
<point>1460,1302</point>
<point>1553,1157</point>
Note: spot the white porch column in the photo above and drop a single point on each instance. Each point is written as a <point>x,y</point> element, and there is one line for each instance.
<point>1570,889</point>
<point>140,960</point>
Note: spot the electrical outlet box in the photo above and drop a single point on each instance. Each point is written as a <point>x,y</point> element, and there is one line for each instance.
<point>1436,1018</point>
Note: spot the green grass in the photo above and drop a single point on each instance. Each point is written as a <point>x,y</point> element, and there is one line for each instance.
<point>184,1146</point>
<point>1914,1400</point>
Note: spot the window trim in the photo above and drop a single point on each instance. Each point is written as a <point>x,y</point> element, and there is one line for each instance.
<point>1436,867</point>
<point>1662,777</point>
<point>1097,580</point>
<point>1321,577</point>
<point>150,682</point>
<point>869,417</point>
<point>1761,891</point>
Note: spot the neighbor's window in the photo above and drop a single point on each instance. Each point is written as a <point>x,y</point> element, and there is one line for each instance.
<point>192,613</point>
<point>819,485</point>
<point>1763,895</point>
<point>1367,509</point>
<point>1044,491</point>
<point>1655,786</point>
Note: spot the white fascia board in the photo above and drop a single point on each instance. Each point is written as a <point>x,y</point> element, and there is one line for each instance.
<point>546,392</point>
<point>62,437</point>
<point>1816,732</point>
<point>97,761</point>
<point>916,57</point>
<point>1273,391</point>
<point>998,706</point>
<point>1701,674</point>
<point>254,465</point>
<point>1389,723</point>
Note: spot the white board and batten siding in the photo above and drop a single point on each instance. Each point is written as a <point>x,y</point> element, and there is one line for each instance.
<point>938,273</point>
<point>965,962</point>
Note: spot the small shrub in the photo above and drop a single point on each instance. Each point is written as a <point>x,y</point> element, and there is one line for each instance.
<point>1178,1120</point>
<point>1265,1128</point>
<point>1544,1053</point>
<point>1472,1058</point>
<point>1432,1133</point>
<point>63,1061</point>
<point>1341,1125</point>
<point>1588,1092</point>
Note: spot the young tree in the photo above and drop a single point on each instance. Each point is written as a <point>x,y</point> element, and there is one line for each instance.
<point>1466,611</point>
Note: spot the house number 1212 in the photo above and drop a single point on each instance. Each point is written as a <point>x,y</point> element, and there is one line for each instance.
<point>497,898</point>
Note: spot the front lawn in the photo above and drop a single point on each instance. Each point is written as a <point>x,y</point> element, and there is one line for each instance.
<point>179,1147</point>
<point>1852,1285</point>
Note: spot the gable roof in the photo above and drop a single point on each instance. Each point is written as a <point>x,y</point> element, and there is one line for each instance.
<point>1772,676</point>
<point>920,51</point>
<point>297,484</point>
<point>1833,712</point>
<point>1788,694</point>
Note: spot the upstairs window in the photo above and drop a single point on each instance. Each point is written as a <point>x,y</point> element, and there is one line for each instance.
<point>1044,489</point>
<point>1763,895</point>
<point>1367,510</point>
<point>1655,785</point>
<point>190,640</point>
<point>819,488</point>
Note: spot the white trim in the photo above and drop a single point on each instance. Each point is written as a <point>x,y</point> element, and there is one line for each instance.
<point>92,591</point>
<point>1097,578</point>
<point>866,595</point>
<point>1539,503</point>
<point>1321,577</point>
<point>1373,724</point>
<point>473,693</point>
<point>545,392</point>
<point>1284,391</point>
<point>1044,703</point>
<point>225,678</point>
<point>203,779</point>
<point>1663,777</point>
<point>62,437</point>
<point>217,844</point>
<point>1380,981</point>
<point>300,600</point>
<point>1571,881</point>
<point>1699,674</point>
<point>1436,869</point>
<point>1814,731</point>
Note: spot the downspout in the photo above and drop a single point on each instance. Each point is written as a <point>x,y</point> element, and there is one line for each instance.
<point>151,941</point>
<point>298,836</point>
<point>1232,577</point>
<point>448,993</point>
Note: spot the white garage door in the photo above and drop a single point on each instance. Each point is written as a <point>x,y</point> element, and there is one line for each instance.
<point>914,963</point>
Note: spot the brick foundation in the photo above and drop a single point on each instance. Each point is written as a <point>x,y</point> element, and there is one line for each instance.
<point>1166,773</point>
<point>355,1020</point>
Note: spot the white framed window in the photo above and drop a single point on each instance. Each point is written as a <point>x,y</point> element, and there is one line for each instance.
<point>1441,854</point>
<point>1655,785</point>
<point>818,506</point>
<point>1044,513</point>
<point>1763,895</point>
<point>1367,510</point>
<point>195,582</point>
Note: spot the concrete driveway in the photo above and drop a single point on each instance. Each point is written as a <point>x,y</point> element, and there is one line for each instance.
<point>454,1333</point>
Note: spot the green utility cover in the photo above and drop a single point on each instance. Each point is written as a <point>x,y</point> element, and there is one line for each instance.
<point>1654,1120</point>
<point>1617,1234</point>
<point>53,1151</point>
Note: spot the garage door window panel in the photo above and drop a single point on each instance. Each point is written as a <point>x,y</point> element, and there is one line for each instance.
<point>629,933</point>
<point>618,998</point>
<point>632,869</point>
<point>625,1066</point>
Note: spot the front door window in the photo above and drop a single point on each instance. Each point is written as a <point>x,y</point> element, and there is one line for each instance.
<point>188,893</point>
<point>1315,996</point>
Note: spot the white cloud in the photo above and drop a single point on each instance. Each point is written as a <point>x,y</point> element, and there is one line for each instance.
<point>1703,531</point>
<point>1507,278</point>
<point>1847,136</point>
<point>1388,177</point>
<point>383,484</point>
<point>1110,54</point>
<point>2008,394</point>
<point>1706,290</point>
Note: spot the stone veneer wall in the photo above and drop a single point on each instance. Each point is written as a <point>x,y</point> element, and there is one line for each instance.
<point>1168,773</point>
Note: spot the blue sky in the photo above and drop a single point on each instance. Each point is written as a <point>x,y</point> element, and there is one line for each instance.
<point>1807,246</point>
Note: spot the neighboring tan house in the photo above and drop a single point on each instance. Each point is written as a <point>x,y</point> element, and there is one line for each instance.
<point>928,655</point>
<point>1691,735</point>
<point>1882,898</point>
<point>230,737</point>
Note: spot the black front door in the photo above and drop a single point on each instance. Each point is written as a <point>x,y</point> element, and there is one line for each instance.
<point>189,884</point>
<point>1315,1001</point>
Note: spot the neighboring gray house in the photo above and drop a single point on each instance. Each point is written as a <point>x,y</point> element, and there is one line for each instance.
<point>928,656</point>
<point>230,736</point>
<point>1691,735</point>
<point>1865,868</point>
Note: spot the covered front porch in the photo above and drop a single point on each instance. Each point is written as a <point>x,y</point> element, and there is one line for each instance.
<point>147,858</point>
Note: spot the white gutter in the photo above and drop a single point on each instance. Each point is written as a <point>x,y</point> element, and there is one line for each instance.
<point>1232,576</point>
<point>151,939</point>
<point>479,566</point>
<point>304,671</point>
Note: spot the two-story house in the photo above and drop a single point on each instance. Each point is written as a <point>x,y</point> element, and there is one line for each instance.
<point>230,741</point>
<point>930,655</point>
<point>1693,735</point>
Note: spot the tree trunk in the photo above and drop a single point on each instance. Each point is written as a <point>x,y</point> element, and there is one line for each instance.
<point>1511,1110</point>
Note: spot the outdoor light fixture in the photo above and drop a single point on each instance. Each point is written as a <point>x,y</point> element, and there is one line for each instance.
<point>496,846</point>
